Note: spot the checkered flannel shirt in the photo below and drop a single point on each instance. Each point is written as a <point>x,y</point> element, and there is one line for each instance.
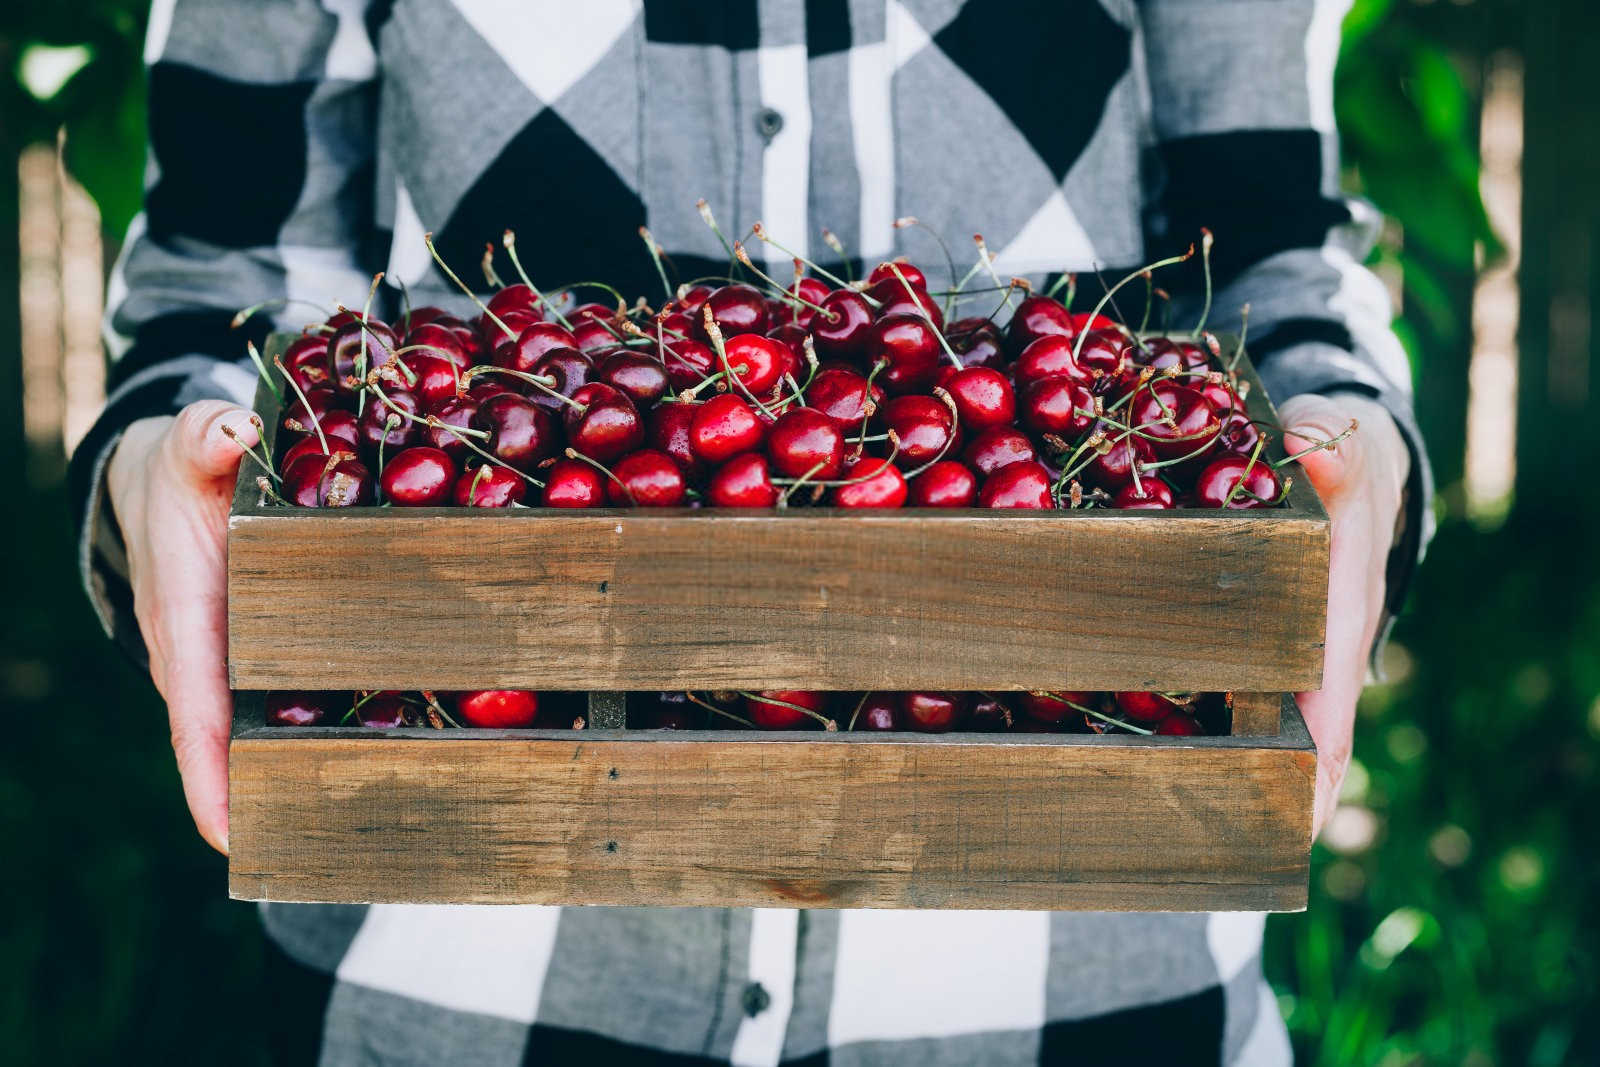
<point>299,146</point>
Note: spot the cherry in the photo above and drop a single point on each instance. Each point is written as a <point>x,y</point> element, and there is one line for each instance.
<point>1048,357</point>
<point>306,360</point>
<point>770,716</point>
<point>337,481</point>
<point>924,426</point>
<point>309,446</point>
<point>592,311</point>
<point>521,434</point>
<point>1036,317</point>
<point>384,711</point>
<point>606,426</point>
<point>668,711</point>
<point>1020,485</point>
<point>883,485</point>
<point>1239,433</point>
<point>523,353</point>
<point>725,426</point>
<point>341,318</point>
<point>1222,396</point>
<point>737,309</point>
<point>498,709</point>
<point>812,291</point>
<point>1106,354</point>
<point>997,447</point>
<point>793,338</point>
<point>989,715</point>
<point>983,397</point>
<point>1055,707</point>
<point>421,316</point>
<point>482,388</point>
<point>840,330</point>
<point>977,341</point>
<point>1148,494</point>
<point>571,369</point>
<point>643,379</point>
<point>744,481</point>
<point>1178,420</point>
<point>319,402</point>
<point>1056,405</point>
<point>593,334</point>
<point>572,483</point>
<point>879,711</point>
<point>909,347</point>
<point>666,429</point>
<point>440,341</point>
<point>1083,320</point>
<point>688,362</point>
<point>437,379</point>
<point>1165,354</point>
<point>489,486</point>
<point>1179,724</point>
<point>1143,707</point>
<point>934,713</point>
<point>757,361</point>
<point>842,395</point>
<point>345,347</point>
<point>914,302</point>
<point>516,297</point>
<point>458,413</point>
<point>946,484</point>
<point>375,428</point>
<point>420,477</point>
<point>299,709</point>
<point>1219,484</point>
<point>885,273</point>
<point>689,303</point>
<point>1113,469</point>
<point>806,443</point>
<point>649,479</point>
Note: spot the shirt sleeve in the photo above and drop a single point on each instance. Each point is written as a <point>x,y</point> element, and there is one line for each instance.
<point>259,187</point>
<point>1243,142</point>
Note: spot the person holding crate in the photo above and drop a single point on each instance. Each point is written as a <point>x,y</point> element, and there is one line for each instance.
<point>299,146</point>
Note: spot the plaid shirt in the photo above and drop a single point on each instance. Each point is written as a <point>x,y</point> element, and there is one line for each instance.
<point>298,146</point>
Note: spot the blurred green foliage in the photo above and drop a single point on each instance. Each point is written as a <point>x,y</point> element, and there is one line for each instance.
<point>1461,933</point>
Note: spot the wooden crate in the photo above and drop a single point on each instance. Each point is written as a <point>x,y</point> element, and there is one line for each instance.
<point>628,599</point>
<point>1042,821</point>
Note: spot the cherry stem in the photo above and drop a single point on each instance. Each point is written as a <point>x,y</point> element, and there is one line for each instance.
<point>573,453</point>
<point>1077,349</point>
<point>827,723</point>
<point>438,709</point>
<point>244,315</point>
<point>612,291</point>
<point>944,344</point>
<point>794,299</point>
<point>854,715</point>
<point>761,234</point>
<point>655,256</point>
<point>316,423</point>
<point>949,438</point>
<point>720,711</point>
<point>949,260</point>
<point>783,498</point>
<point>831,239</point>
<point>390,424</point>
<point>867,406</point>
<point>714,332</point>
<point>477,480</point>
<point>1206,241</point>
<point>1244,331</point>
<point>535,380</point>
<point>459,433</point>
<point>1067,279</point>
<point>509,240</point>
<point>427,239</point>
<point>1102,716</point>
<point>1319,446</point>
<point>711,220</point>
<point>1149,301</point>
<point>263,464</point>
<point>489,273</point>
<point>1248,467</point>
<point>261,369</point>
<point>361,357</point>
<point>888,461</point>
<point>987,258</point>
<point>269,493</point>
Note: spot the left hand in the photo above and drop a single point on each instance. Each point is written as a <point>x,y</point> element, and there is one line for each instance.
<point>1360,480</point>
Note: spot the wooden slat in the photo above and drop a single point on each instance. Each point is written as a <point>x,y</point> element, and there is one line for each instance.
<point>846,820</point>
<point>1257,714</point>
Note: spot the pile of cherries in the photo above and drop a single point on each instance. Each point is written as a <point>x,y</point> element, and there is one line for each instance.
<point>734,395</point>
<point>1165,714</point>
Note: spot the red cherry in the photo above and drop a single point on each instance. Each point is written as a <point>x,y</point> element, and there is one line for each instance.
<point>1179,724</point>
<point>806,443</point>
<point>592,311</point>
<point>743,482</point>
<point>1114,469</point>
<point>841,395</point>
<point>977,341</point>
<point>1048,357</point>
<point>1083,320</point>
<point>885,272</point>
<point>1143,707</point>
<point>1165,354</point>
<point>688,362</point>
<point>437,379</point>
<point>757,361</point>
<point>738,309</point>
<point>649,479</point>
<point>1177,420</point>
<point>983,397</point>
<point>667,429</point>
<point>812,291</point>
<point>439,341</point>
<point>484,387</point>
<point>306,360</point>
<point>605,424</point>
<point>792,338</point>
<point>420,477</point>
<point>946,484</point>
<point>924,426</point>
<point>321,401</point>
<point>1057,405</point>
<point>1020,485</point>
<point>641,378</point>
<point>421,316</point>
<point>840,330</point>
<point>689,303</point>
<point>337,481</point>
<point>308,446</point>
<point>879,712</point>
<point>458,413</point>
<point>1215,488</point>
<point>521,434</point>
<point>884,486</point>
<point>572,483</point>
<point>515,297</point>
<point>897,300</point>
<point>1222,397</point>
<point>725,426</point>
<point>374,427</point>
<point>345,348</point>
<point>301,709</point>
<point>998,447</point>
<point>771,716</point>
<point>909,347</point>
<point>498,709</point>
<point>1239,434</point>
<point>1106,354</point>
<point>523,353</point>
<point>934,713</point>
<point>1148,494</point>
<point>1055,707</point>
<point>1036,317</point>
<point>571,369</point>
<point>489,486</point>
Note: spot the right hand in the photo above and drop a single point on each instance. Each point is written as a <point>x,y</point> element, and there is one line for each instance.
<point>170,481</point>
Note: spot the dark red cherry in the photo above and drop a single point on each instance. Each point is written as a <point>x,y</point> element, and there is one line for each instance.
<point>489,486</point>
<point>983,398</point>
<point>338,426</point>
<point>1221,395</point>
<point>498,709</point>
<point>1239,434</point>
<point>1055,706</point>
<point>1020,485</point>
<point>744,481</point>
<point>421,316</point>
<point>1114,469</point>
<point>688,362</point>
<point>337,481</point>
<point>1165,354</point>
<point>757,361</point>
<point>989,715</point>
<point>998,447</point>
<point>646,479</point>
<point>934,713</point>
<point>842,395</point>
<point>694,296</point>
<point>878,712</point>
<point>1148,494</point>
<point>643,379</point>
<point>1057,405</point>
<point>594,335</point>
<point>910,350</point>
<point>909,273</point>
<point>873,483</point>
<point>1143,707</point>
<point>925,429</point>
<point>1237,483</point>
<point>346,346</point>
<point>738,309</point>
<point>769,715</point>
<point>533,342</point>
<point>1179,724</point>
<point>436,379</point>
<point>420,477</point>
<point>322,400</point>
<point>725,426</point>
<point>606,429</point>
<point>805,443</point>
<point>306,360</point>
<point>946,484</point>
<point>572,483</point>
<point>1048,357</point>
<point>515,297</point>
<point>521,433</point>
<point>384,711</point>
<point>1036,317</point>
<point>376,428</point>
<point>915,302</point>
<point>1176,419</point>
<point>439,341</point>
<point>286,708</point>
<point>512,322</point>
<point>666,429</point>
<point>977,341</point>
<point>570,370</point>
<point>484,386</point>
<point>793,338</point>
<point>840,330</point>
<point>457,413</point>
<point>342,318</point>
<point>1105,354</point>
<point>1083,320</point>
<point>811,290</point>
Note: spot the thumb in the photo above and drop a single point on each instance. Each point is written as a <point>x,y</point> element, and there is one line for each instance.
<point>200,444</point>
<point>1308,421</point>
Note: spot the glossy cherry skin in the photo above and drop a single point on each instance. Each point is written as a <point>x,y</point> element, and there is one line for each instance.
<point>812,291</point>
<point>978,342</point>
<point>1114,469</point>
<point>1048,357</point>
<point>757,361</point>
<point>725,426</point>
<point>1036,317</point>
<point>384,711</point>
<point>1221,395</point>
<point>375,428</point>
<point>457,413</point>
<point>916,303</point>
<point>308,446</point>
<point>738,309</point>
<point>302,709</point>
<point>983,397</point>
<point>297,417</point>
<point>691,300</point>
<point>482,388</point>
<point>1165,354</point>
<point>337,481</point>
<point>1056,405</point>
<point>436,379</point>
<point>420,477</point>
<point>572,483</point>
<point>910,349</point>
<point>1143,707</point>
<point>489,486</point>
<point>1055,706</point>
<point>517,296</point>
<point>594,334</point>
<point>1106,354</point>
<point>306,360</point>
<point>666,429</point>
<point>1215,488</point>
<point>842,395</point>
<point>688,361</point>
<point>498,709</point>
<point>874,483</point>
<point>878,712</point>
<point>999,447</point>
<point>909,272</point>
<point>769,716</point>
<point>432,339</point>
<point>805,443</point>
<point>521,433</point>
<point>1238,434</point>
<point>925,429</point>
<point>744,481</point>
<point>345,348</point>
<point>1179,724</point>
<point>1020,485</point>
<point>946,484</point>
<point>533,342</point>
<point>934,713</point>
<point>1149,494</point>
<point>648,479</point>
<point>571,371</point>
<point>605,425</point>
<point>641,378</point>
<point>419,316</point>
<point>1177,420</point>
<point>840,330</point>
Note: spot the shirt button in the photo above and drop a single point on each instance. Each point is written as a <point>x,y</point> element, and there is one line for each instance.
<point>769,122</point>
<point>756,999</point>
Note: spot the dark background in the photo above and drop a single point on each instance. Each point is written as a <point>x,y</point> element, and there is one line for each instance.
<point>1454,921</point>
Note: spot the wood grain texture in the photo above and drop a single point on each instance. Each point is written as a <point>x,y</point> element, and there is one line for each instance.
<point>1257,714</point>
<point>830,821</point>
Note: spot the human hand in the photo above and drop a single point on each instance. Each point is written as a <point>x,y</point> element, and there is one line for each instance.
<point>170,481</point>
<point>1360,480</point>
